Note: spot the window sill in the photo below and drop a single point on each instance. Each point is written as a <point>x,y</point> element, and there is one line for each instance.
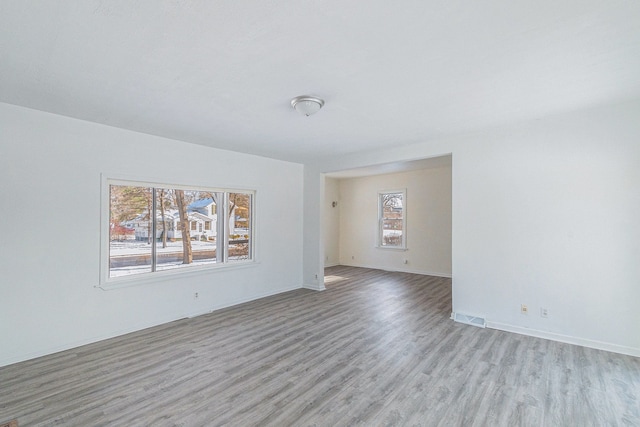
<point>158,276</point>
<point>392,248</point>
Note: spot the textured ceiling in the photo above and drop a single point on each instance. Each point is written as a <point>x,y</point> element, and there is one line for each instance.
<point>222,73</point>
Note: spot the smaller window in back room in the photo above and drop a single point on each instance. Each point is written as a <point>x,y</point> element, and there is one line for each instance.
<point>392,219</point>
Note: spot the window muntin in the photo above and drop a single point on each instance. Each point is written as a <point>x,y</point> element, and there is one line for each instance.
<point>392,219</point>
<point>146,226</point>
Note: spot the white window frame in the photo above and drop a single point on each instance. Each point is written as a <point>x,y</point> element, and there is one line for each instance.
<point>379,239</point>
<point>106,282</point>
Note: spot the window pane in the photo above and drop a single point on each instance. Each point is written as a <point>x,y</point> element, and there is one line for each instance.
<point>129,230</point>
<point>239,226</point>
<point>193,247</point>
<point>392,219</point>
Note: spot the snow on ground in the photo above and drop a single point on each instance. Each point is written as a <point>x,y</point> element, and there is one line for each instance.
<point>133,247</point>
<point>137,269</point>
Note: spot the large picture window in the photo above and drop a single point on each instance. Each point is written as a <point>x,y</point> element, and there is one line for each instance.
<point>392,226</point>
<point>155,228</point>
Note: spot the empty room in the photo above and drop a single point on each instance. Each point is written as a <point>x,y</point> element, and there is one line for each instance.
<point>319,213</point>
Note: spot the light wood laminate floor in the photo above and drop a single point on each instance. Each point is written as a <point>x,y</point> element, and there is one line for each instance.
<point>375,348</point>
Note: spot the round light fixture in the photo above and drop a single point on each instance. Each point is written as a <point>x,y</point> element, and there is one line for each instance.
<point>306,104</point>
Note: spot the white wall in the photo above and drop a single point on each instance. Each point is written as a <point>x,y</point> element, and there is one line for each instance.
<point>313,250</point>
<point>50,170</point>
<point>545,213</point>
<point>331,217</point>
<point>428,217</point>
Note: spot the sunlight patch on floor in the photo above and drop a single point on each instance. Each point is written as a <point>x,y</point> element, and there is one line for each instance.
<point>334,279</point>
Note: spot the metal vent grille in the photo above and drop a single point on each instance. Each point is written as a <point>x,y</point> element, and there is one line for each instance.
<point>469,320</point>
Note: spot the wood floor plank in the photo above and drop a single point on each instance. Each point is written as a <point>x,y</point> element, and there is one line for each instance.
<point>375,348</point>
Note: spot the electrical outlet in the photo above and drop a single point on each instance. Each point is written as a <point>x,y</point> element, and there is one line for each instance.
<point>544,312</point>
<point>524,309</point>
<point>195,296</point>
<point>353,257</point>
<point>316,277</point>
<point>405,261</point>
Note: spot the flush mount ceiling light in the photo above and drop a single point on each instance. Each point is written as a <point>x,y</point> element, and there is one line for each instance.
<point>306,104</point>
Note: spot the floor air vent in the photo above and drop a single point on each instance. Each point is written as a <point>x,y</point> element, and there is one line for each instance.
<point>469,320</point>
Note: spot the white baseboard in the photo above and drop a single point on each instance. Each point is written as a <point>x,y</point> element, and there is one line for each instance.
<point>242,301</point>
<point>16,358</point>
<point>400,270</point>
<point>314,287</point>
<point>598,345</point>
